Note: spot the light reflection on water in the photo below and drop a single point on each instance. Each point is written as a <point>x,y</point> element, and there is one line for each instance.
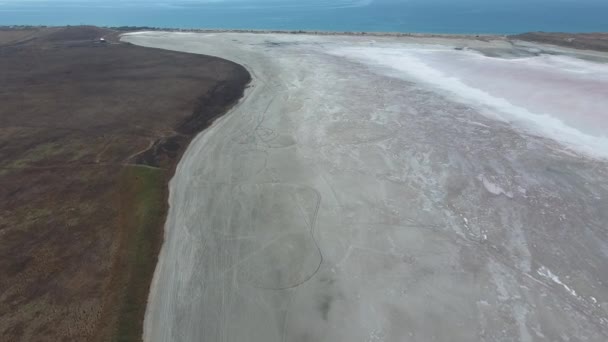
<point>331,15</point>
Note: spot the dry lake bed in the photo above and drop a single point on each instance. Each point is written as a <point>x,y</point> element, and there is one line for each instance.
<point>390,189</point>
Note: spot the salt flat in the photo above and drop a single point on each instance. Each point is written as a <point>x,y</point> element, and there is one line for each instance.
<point>390,189</point>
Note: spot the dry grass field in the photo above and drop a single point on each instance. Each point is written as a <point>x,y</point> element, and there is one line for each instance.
<point>90,134</point>
<point>586,41</point>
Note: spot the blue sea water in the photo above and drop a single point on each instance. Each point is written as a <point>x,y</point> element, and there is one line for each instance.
<point>429,16</point>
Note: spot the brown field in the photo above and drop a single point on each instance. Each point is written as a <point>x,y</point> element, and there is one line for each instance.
<point>89,136</point>
<point>585,41</point>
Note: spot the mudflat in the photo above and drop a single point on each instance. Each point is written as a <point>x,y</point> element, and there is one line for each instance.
<point>390,189</point>
<point>90,132</point>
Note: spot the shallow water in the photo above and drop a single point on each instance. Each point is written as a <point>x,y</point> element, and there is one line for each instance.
<point>470,16</point>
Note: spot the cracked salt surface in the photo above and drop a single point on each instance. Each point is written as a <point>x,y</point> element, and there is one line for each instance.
<point>385,190</point>
<point>545,272</point>
<point>493,188</point>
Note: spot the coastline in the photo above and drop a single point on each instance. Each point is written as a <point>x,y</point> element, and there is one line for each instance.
<point>131,29</point>
<point>325,33</point>
<point>130,323</point>
<point>146,333</point>
<point>597,41</point>
<point>591,41</point>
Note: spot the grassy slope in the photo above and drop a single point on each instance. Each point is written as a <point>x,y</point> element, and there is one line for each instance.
<point>144,205</point>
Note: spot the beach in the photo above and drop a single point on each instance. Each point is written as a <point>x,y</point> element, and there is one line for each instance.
<point>390,189</point>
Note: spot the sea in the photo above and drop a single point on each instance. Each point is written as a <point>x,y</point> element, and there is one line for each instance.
<point>416,16</point>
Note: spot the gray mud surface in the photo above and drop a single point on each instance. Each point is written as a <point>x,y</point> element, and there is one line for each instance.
<point>342,202</point>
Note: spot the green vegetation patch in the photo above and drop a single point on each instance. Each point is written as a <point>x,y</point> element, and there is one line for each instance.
<point>55,153</point>
<point>38,153</point>
<point>143,210</point>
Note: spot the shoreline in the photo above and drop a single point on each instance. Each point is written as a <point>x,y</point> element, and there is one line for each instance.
<point>127,29</point>
<point>130,29</point>
<point>577,43</point>
<point>592,41</point>
<point>325,33</point>
<point>170,192</point>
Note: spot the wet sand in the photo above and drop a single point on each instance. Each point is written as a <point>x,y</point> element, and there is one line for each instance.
<point>350,196</point>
